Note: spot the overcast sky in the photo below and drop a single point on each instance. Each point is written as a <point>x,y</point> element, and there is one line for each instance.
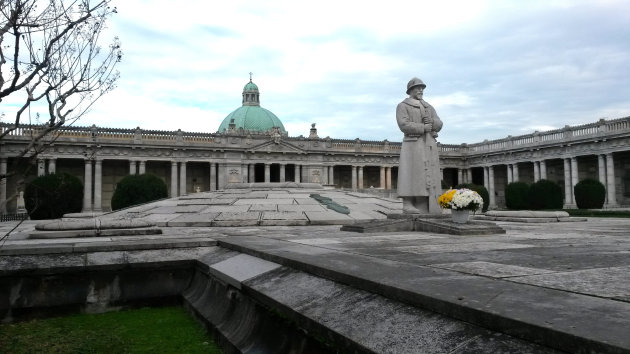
<point>492,68</point>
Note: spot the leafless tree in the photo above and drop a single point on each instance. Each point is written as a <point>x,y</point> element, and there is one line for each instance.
<point>51,60</point>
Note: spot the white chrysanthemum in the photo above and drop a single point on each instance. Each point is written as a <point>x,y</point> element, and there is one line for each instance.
<point>466,199</point>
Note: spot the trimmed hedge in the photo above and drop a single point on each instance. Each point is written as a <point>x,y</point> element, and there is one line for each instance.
<point>589,194</point>
<point>545,194</point>
<point>517,196</point>
<point>138,189</point>
<point>483,192</point>
<point>51,196</point>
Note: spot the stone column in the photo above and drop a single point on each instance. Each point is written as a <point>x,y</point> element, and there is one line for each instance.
<point>252,173</point>
<point>87,187</point>
<point>221,175</point>
<point>354,177</point>
<point>509,173</point>
<point>486,178</point>
<point>492,200</point>
<point>469,175</point>
<point>515,177</point>
<point>388,177</point>
<point>41,167</point>
<point>360,173</point>
<point>213,176</point>
<point>543,169</point>
<point>132,167</point>
<point>601,169</point>
<point>298,173</point>
<point>245,173</point>
<point>3,185</point>
<point>610,181</point>
<point>283,173</point>
<point>98,185</point>
<point>142,167</point>
<point>568,196</point>
<point>52,166</point>
<point>382,175</point>
<point>267,173</point>
<point>460,178</point>
<point>182,178</point>
<point>173,179</point>
<point>331,175</point>
<point>536,171</point>
<point>574,177</point>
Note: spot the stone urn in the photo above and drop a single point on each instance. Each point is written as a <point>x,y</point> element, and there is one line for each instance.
<point>460,216</point>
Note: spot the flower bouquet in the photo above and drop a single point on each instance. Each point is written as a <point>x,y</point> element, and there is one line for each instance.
<point>461,199</point>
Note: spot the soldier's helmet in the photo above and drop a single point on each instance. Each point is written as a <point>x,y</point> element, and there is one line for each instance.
<point>413,83</point>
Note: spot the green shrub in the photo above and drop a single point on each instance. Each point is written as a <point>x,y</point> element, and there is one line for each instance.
<point>545,194</point>
<point>589,194</point>
<point>483,192</point>
<point>138,189</point>
<point>51,196</point>
<point>517,196</point>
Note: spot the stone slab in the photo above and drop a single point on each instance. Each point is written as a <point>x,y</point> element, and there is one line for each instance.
<point>379,324</point>
<point>227,209</point>
<point>494,270</point>
<point>95,233</point>
<point>238,269</point>
<point>611,282</point>
<point>533,220</point>
<point>528,213</point>
<point>328,218</point>
<point>263,207</point>
<point>283,218</point>
<point>534,313</point>
<point>91,224</point>
<point>301,207</point>
<point>387,225</point>
<point>178,209</point>
<point>189,220</point>
<point>237,219</point>
<point>213,201</point>
<point>264,201</point>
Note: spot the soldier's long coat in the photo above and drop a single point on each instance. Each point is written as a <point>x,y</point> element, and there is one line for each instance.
<point>419,168</point>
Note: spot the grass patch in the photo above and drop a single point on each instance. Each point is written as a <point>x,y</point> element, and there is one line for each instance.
<point>599,213</point>
<point>146,330</point>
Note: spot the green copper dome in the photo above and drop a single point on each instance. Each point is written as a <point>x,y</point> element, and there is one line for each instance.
<point>251,116</point>
<point>250,86</point>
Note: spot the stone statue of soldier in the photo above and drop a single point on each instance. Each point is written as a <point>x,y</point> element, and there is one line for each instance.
<point>419,180</point>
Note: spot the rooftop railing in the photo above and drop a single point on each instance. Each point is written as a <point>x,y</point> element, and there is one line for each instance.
<point>134,136</point>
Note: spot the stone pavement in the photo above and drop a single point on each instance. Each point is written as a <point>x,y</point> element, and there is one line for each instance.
<point>562,285</point>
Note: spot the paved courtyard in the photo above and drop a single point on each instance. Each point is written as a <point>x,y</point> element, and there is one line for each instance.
<point>567,280</point>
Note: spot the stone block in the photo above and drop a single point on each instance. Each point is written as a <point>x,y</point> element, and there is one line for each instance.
<point>238,269</point>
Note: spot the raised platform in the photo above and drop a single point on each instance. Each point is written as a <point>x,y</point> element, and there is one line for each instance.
<point>529,216</point>
<point>441,224</point>
<point>535,288</point>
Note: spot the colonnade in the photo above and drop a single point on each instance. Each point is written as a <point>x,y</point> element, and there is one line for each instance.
<point>605,168</point>
<point>219,176</point>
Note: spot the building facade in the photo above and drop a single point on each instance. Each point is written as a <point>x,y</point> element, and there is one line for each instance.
<point>253,146</point>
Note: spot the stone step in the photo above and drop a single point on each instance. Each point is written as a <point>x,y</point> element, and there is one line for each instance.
<point>554,318</point>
